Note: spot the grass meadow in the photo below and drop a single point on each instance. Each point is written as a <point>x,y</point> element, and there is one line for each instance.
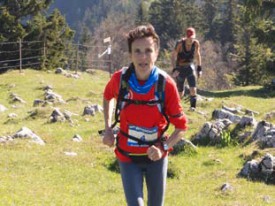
<point>33,174</point>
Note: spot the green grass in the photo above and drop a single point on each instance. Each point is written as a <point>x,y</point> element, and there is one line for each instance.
<point>32,174</point>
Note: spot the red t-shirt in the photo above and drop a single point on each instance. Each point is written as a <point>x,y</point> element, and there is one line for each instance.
<point>140,119</point>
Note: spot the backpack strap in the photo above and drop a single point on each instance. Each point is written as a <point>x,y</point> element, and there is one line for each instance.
<point>184,47</point>
<point>159,92</point>
<point>123,88</point>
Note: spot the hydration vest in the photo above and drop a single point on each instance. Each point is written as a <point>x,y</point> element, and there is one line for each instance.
<point>185,56</point>
<point>123,101</point>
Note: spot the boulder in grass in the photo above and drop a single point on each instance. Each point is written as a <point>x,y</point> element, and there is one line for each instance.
<point>251,112</point>
<point>59,70</point>
<point>224,114</point>
<point>2,108</point>
<point>92,109</point>
<point>4,139</point>
<point>68,115</point>
<point>184,145</point>
<point>57,116</point>
<point>12,116</point>
<point>16,98</point>
<point>25,132</point>
<point>88,110</point>
<point>233,110</point>
<point>53,97</point>
<point>270,115</point>
<point>48,87</point>
<point>211,132</point>
<point>226,187</point>
<point>250,168</point>
<point>262,169</point>
<point>71,75</point>
<point>61,116</point>
<point>267,164</point>
<point>268,139</point>
<point>247,121</point>
<point>98,108</point>
<point>261,129</point>
<point>77,138</point>
<point>38,102</point>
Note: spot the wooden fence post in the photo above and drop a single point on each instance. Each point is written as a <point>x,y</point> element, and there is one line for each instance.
<point>77,50</point>
<point>44,53</point>
<point>20,55</point>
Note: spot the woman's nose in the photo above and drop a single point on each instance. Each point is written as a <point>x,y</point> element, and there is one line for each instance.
<point>142,55</point>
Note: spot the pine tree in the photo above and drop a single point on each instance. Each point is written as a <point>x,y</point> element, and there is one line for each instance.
<point>27,21</point>
<point>253,51</point>
<point>142,13</point>
<point>171,17</point>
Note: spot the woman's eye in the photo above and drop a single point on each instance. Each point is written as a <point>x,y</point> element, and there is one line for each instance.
<point>137,51</point>
<point>149,51</point>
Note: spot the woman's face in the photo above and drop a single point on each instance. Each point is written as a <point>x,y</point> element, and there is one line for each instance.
<point>144,54</point>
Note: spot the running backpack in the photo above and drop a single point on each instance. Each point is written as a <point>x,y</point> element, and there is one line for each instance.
<point>122,101</point>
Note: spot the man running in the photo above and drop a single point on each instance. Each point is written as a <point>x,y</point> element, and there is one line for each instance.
<point>183,59</point>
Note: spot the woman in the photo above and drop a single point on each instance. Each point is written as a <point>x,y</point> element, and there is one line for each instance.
<point>144,113</point>
<point>187,50</point>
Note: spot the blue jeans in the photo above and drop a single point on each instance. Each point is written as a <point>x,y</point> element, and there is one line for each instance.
<point>155,174</point>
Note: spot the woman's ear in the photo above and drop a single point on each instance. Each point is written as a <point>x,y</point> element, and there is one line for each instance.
<point>157,54</point>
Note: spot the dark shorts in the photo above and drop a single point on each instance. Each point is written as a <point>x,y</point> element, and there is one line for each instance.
<point>186,72</point>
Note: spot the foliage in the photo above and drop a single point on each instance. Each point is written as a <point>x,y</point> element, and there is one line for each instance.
<point>254,46</point>
<point>14,16</point>
<point>142,16</point>
<point>171,18</point>
<point>121,25</point>
<point>225,138</point>
<point>217,73</point>
<point>27,21</point>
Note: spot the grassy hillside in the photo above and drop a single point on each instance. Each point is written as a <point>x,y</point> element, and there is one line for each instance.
<point>33,174</point>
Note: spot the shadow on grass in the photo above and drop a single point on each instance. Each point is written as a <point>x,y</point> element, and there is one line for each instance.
<point>259,93</point>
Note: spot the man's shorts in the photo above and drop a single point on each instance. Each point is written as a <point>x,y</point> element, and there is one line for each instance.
<point>186,72</point>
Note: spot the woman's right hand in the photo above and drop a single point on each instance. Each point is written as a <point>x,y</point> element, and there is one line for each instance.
<point>108,138</point>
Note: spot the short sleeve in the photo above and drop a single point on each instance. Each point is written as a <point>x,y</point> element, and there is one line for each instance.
<point>112,87</point>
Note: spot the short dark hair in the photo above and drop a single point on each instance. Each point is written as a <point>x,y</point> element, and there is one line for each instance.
<point>142,31</point>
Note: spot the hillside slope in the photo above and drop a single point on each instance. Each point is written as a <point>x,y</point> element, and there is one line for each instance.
<point>67,172</point>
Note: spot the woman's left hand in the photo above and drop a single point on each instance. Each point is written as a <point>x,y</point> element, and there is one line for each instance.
<point>154,153</point>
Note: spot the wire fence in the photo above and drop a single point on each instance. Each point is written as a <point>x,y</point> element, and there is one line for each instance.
<point>24,54</point>
<point>83,57</point>
<point>21,54</point>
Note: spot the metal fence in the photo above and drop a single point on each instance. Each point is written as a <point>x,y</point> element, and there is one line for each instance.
<point>83,57</point>
<point>23,54</point>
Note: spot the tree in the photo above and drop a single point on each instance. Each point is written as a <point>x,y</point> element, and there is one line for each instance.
<point>210,11</point>
<point>228,28</point>
<point>15,14</point>
<point>57,34</point>
<point>116,28</point>
<point>27,21</point>
<point>254,52</point>
<point>143,12</point>
<point>171,17</point>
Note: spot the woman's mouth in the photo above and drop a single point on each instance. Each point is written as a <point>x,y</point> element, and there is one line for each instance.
<point>142,65</point>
